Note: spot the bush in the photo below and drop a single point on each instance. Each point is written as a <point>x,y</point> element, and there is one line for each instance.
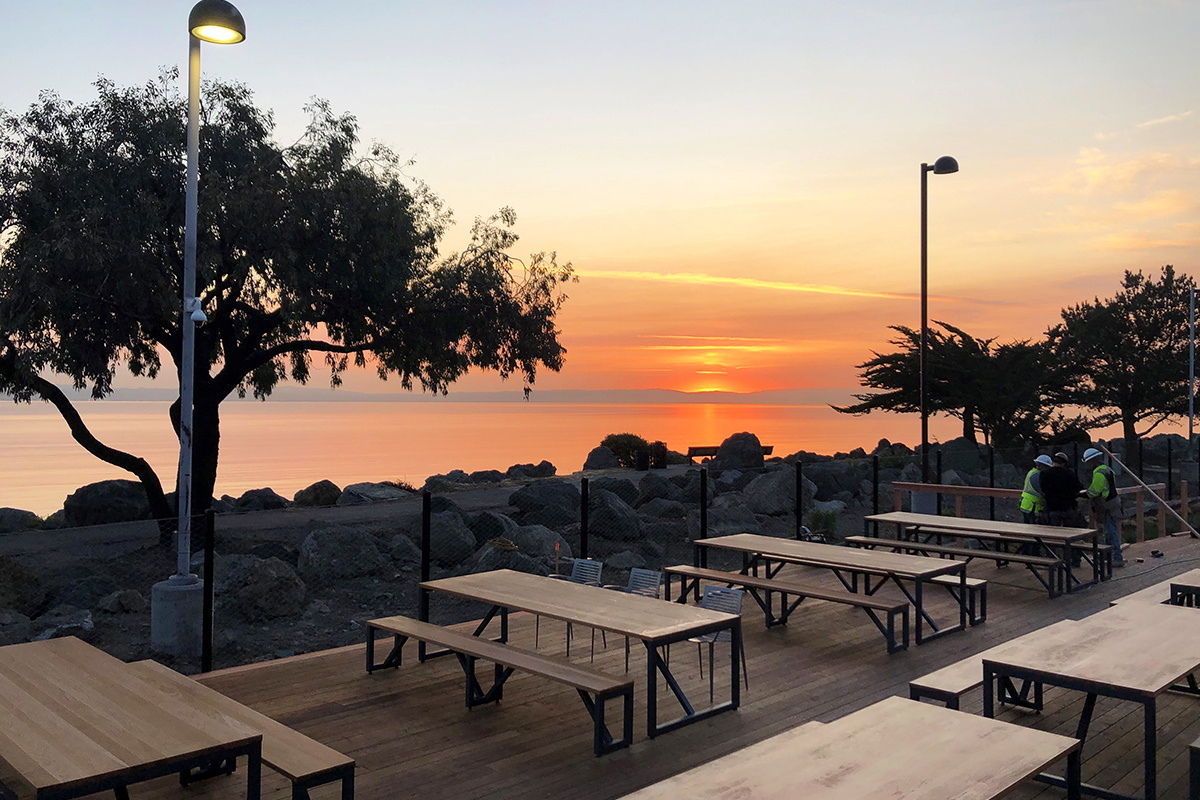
<point>398,484</point>
<point>822,521</point>
<point>624,445</point>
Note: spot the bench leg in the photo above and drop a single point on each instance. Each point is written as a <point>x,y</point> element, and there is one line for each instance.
<point>301,787</point>
<point>602,741</point>
<point>393,658</point>
<point>475,694</point>
<point>1194,769</point>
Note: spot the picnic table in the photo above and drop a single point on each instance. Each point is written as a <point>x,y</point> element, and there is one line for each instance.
<point>1060,544</point>
<point>1134,651</point>
<point>896,748</point>
<point>848,564</point>
<point>656,623</point>
<point>1185,589</point>
<point>75,721</point>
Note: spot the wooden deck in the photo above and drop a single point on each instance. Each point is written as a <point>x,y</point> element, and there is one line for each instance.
<point>413,737</point>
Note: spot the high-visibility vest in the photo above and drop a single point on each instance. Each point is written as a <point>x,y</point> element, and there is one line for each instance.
<point>1104,483</point>
<point>1032,498</point>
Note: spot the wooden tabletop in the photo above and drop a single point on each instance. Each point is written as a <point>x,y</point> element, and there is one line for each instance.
<point>1161,591</point>
<point>1134,647</point>
<point>1018,529</point>
<point>71,714</point>
<point>894,749</point>
<point>1190,579</point>
<point>644,618</point>
<point>836,556</point>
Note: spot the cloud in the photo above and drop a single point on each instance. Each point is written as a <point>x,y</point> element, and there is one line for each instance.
<point>1150,123</point>
<point>1158,205</point>
<point>1095,172</point>
<point>1138,241</point>
<point>704,279</point>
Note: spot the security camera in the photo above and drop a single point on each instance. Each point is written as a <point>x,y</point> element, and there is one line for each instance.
<point>198,315</point>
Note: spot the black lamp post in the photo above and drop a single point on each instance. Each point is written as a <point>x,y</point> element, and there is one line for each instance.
<point>943,166</point>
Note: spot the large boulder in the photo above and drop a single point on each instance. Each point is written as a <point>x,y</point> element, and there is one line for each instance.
<point>487,476</point>
<point>1009,477</point>
<point>547,494</point>
<point>258,589</point>
<point>626,559</point>
<point>362,493</point>
<point>833,477</point>
<point>543,469</point>
<point>123,601</point>
<point>261,500</point>
<point>724,522</point>
<point>321,493</point>
<point>961,455</point>
<point>492,557</point>
<point>621,487</point>
<point>20,588</point>
<point>336,552</point>
<point>15,627</point>
<point>105,502</point>
<point>663,508</point>
<point>63,621</point>
<point>404,551</point>
<point>538,541</point>
<point>451,542</point>
<point>601,458</point>
<point>488,525</point>
<point>653,486</point>
<point>740,451</point>
<point>14,520</point>
<point>612,518</point>
<point>774,493</point>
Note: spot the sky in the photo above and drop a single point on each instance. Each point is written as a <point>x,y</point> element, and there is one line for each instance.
<point>736,184</point>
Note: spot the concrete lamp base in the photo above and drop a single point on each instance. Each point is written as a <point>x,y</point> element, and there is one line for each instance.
<point>176,616</point>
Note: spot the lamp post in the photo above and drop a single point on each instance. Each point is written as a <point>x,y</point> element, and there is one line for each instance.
<point>943,166</point>
<point>177,602</point>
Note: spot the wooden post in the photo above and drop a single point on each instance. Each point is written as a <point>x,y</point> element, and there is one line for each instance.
<point>1162,518</point>
<point>1141,515</point>
<point>897,502</point>
<point>1183,499</point>
<point>958,505</point>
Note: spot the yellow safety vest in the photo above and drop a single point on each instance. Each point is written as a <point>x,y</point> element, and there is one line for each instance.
<point>1032,499</point>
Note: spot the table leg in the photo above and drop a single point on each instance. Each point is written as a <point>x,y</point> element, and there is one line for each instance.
<point>254,772</point>
<point>735,653</point>
<point>919,605</point>
<point>962,597</point>
<point>1151,792</point>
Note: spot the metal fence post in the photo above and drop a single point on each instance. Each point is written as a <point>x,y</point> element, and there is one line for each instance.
<point>206,644</point>
<point>423,594</point>
<point>939,480</point>
<point>875,490</point>
<point>1075,458</point>
<point>1141,458</point>
<point>703,555</point>
<point>991,481</point>
<point>799,498</point>
<point>1169,460</point>
<point>583,518</point>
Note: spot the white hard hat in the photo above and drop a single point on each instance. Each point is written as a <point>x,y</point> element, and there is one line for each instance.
<point>1091,453</point>
<point>1044,461</point>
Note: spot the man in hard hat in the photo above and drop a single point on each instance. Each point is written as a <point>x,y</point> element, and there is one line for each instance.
<point>1105,502</point>
<point>1061,489</point>
<point>1033,502</point>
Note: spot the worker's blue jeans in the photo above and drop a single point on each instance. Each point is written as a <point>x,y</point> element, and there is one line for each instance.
<point>1113,531</point>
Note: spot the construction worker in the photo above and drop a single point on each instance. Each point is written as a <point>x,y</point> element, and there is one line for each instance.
<point>1105,502</point>
<point>1033,502</point>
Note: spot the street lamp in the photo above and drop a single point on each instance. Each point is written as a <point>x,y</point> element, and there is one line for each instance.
<point>177,601</point>
<point>943,166</point>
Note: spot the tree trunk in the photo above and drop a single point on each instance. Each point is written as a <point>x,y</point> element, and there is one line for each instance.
<point>206,444</point>
<point>1131,443</point>
<point>968,420</point>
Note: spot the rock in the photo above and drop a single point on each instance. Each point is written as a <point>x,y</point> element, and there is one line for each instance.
<point>690,494</point>
<point>951,478</point>
<point>961,455</point>
<point>261,500</point>
<point>440,484</point>
<point>829,506</point>
<point>668,531</point>
<point>13,520</point>
<point>832,477</point>
<point>1009,477</point>
<point>664,508</point>
<point>105,502</point>
<point>451,542</point>
<point>549,516</point>
<point>740,451</point>
<point>775,492</point>
<point>782,527</point>
<point>490,525</point>
<point>911,473</point>
<point>15,627</point>
<point>122,601</point>
<point>440,505</point>
<point>653,486</point>
<point>361,493</point>
<point>626,559</point>
<point>723,522</point>
<point>259,589</point>
<point>490,558</point>
<point>63,621</point>
<point>458,476</point>
<point>10,617</point>
<point>543,469</point>
<point>335,552</point>
<point>321,493</point>
<point>537,542</point>
<point>82,589</point>
<point>601,458</point>
<point>542,494</point>
<point>621,487</point>
<point>20,588</point>
<point>404,551</point>
<point>218,507</point>
<point>315,610</point>
<point>487,476</point>
<point>55,521</point>
<point>612,518</point>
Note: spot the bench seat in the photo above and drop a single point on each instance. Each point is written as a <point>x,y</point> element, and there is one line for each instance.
<point>589,683</point>
<point>1053,566</point>
<point>303,761</point>
<point>872,606</point>
<point>711,450</point>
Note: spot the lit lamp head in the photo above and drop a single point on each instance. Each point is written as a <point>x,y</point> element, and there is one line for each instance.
<point>943,166</point>
<point>217,21</point>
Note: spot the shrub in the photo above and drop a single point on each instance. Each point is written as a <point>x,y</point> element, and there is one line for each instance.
<point>822,521</point>
<point>624,445</point>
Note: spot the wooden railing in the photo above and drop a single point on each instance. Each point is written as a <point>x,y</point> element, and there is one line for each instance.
<point>961,492</point>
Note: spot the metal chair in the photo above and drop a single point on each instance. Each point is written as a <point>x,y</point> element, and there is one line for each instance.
<point>585,571</point>
<point>645,582</point>
<point>729,601</point>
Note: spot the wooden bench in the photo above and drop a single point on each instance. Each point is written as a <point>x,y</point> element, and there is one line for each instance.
<point>1083,552</point>
<point>872,606</point>
<point>303,761</point>
<point>1053,566</point>
<point>709,452</point>
<point>976,595</point>
<point>589,683</point>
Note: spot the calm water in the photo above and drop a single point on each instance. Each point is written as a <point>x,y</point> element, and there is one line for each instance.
<point>289,445</point>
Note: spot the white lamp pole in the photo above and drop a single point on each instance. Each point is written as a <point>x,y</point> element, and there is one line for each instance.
<point>176,602</point>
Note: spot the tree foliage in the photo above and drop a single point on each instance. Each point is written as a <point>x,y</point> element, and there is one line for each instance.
<point>1125,358</point>
<point>322,247</point>
<point>997,389</point>
<point>625,447</point>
